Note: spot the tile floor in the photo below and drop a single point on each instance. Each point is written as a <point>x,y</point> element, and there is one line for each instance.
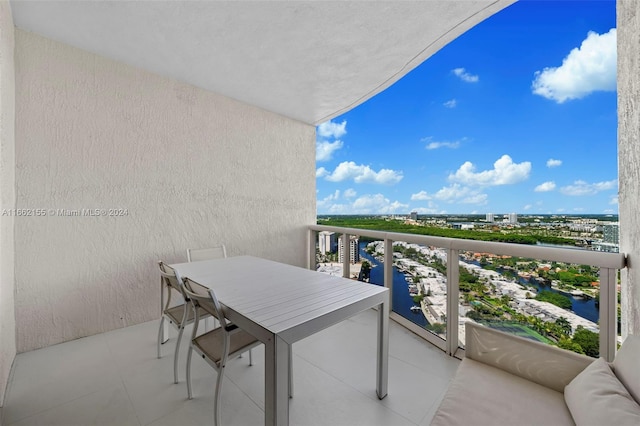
<point>115,379</point>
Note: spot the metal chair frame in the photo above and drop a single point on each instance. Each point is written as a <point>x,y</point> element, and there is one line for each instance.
<point>235,341</point>
<point>179,316</point>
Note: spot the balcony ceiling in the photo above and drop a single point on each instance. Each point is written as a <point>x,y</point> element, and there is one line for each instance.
<point>310,61</point>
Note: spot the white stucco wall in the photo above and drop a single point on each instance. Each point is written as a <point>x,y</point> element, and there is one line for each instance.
<point>193,168</point>
<point>628,23</point>
<point>7,196</point>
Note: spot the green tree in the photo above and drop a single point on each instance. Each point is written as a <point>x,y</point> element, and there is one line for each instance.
<point>557,299</point>
<point>437,327</point>
<point>570,345</point>
<point>365,271</point>
<point>564,325</point>
<point>588,341</point>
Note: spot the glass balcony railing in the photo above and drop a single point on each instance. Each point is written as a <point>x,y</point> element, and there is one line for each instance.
<point>561,296</point>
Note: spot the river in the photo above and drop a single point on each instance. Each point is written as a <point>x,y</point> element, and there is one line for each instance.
<point>586,308</point>
<point>402,302</point>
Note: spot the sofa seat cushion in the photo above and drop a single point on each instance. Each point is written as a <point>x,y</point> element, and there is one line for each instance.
<point>483,395</point>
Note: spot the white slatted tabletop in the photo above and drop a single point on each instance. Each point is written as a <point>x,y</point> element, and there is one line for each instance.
<point>280,304</point>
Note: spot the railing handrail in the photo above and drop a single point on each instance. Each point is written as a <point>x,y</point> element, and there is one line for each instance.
<point>556,254</point>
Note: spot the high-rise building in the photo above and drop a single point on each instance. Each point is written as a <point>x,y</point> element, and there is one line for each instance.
<point>513,218</point>
<point>413,215</point>
<point>610,233</point>
<point>327,242</point>
<point>354,254</point>
<point>490,217</point>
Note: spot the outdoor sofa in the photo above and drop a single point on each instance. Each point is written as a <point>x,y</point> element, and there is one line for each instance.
<point>510,380</point>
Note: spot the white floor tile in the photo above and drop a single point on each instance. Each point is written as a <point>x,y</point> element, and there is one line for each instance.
<point>116,379</point>
<point>107,407</point>
<point>52,376</point>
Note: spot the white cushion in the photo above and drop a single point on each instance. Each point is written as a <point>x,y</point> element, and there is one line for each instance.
<point>482,395</point>
<point>626,365</point>
<point>596,397</point>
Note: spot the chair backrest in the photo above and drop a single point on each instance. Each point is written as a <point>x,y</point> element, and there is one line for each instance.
<point>205,298</point>
<point>170,278</point>
<point>216,252</point>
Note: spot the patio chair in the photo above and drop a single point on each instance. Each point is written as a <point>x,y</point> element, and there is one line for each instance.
<point>209,253</point>
<point>217,346</point>
<point>179,316</point>
<point>217,252</point>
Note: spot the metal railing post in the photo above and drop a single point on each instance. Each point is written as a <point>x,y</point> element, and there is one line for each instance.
<point>388,269</point>
<point>311,261</point>
<point>608,313</point>
<point>346,255</point>
<point>453,290</point>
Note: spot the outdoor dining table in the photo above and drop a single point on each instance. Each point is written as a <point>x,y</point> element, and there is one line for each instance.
<point>281,304</point>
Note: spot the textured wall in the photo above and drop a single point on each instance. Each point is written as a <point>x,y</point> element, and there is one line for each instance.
<point>192,167</point>
<point>7,196</point>
<point>628,16</point>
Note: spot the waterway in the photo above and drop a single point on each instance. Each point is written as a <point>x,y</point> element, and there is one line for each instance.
<point>401,301</point>
<point>586,308</point>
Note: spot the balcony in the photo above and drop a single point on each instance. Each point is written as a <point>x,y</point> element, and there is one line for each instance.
<point>114,378</point>
<point>450,339</point>
<point>84,128</point>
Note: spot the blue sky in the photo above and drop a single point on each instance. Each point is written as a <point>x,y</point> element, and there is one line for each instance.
<point>516,115</point>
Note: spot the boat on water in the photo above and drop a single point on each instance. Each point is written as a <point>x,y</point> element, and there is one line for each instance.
<point>415,308</point>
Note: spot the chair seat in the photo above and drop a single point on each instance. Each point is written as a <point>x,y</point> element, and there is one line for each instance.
<point>175,314</point>
<point>211,343</point>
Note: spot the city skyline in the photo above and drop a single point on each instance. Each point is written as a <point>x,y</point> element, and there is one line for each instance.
<point>518,115</point>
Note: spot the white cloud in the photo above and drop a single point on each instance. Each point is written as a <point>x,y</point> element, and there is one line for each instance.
<point>329,129</point>
<point>350,193</point>
<point>451,103</point>
<point>378,203</point>
<point>420,196</point>
<point>324,149</point>
<point>441,144</point>
<point>527,207</point>
<point>455,193</point>
<point>476,198</point>
<point>328,202</point>
<point>460,194</point>
<point>581,187</point>
<point>451,193</point>
<point>614,200</point>
<point>465,76</point>
<point>430,209</point>
<point>586,69</point>
<point>361,174</point>
<point>321,172</point>
<point>553,163</point>
<point>504,172</point>
<point>366,204</point>
<point>545,187</point>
